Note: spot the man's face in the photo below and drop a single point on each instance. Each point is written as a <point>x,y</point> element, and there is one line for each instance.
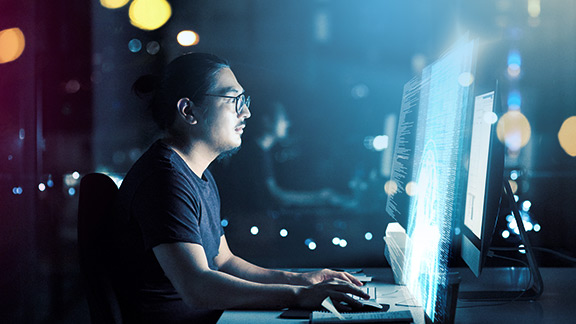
<point>221,126</point>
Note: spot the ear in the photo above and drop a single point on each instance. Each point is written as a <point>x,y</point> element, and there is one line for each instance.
<point>185,106</point>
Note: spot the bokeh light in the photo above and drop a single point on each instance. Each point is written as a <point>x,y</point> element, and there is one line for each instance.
<point>514,100</point>
<point>534,8</point>
<point>419,62</point>
<point>466,79</point>
<point>153,47</point>
<point>134,45</point>
<point>390,187</point>
<point>310,244</point>
<point>513,186</point>
<point>490,117</point>
<point>514,174</point>
<point>526,205</point>
<point>411,188</point>
<point>567,136</point>
<point>360,91</point>
<point>149,14</point>
<point>113,4</point>
<point>380,143</point>
<point>537,227</point>
<point>187,38</point>
<point>514,64</point>
<point>12,43</point>
<point>513,130</point>
<point>72,86</point>
<point>254,230</point>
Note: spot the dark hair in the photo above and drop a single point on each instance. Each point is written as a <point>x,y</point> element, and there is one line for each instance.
<point>188,76</point>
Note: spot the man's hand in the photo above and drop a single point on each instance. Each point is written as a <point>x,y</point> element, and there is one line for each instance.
<point>315,277</point>
<point>338,290</point>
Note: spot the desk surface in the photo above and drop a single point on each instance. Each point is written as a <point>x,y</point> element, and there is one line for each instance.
<point>556,305</point>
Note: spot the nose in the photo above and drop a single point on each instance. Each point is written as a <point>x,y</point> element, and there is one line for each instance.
<point>245,112</point>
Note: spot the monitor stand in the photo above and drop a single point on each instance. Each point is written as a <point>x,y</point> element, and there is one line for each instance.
<point>524,283</point>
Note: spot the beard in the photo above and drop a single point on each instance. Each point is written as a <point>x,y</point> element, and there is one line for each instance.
<point>224,156</point>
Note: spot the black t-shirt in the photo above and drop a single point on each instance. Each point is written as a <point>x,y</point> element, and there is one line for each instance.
<point>162,201</point>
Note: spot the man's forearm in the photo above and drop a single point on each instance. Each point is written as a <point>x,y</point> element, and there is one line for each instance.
<point>241,268</point>
<point>240,293</point>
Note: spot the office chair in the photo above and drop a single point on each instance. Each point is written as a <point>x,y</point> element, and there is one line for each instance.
<point>95,220</point>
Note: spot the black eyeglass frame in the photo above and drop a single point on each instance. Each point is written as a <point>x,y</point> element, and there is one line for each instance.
<point>238,101</point>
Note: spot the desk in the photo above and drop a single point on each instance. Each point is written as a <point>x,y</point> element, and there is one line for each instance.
<point>556,305</point>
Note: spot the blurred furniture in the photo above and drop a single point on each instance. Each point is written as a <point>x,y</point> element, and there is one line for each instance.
<point>95,220</point>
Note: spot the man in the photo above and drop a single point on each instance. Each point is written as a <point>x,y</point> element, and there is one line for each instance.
<point>176,266</point>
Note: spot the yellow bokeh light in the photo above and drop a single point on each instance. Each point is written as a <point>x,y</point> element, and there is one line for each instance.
<point>513,186</point>
<point>534,8</point>
<point>187,38</point>
<point>513,130</point>
<point>12,44</point>
<point>149,14</point>
<point>567,136</point>
<point>113,4</point>
<point>390,187</point>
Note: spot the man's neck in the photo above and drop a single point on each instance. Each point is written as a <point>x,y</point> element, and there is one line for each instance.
<point>196,155</point>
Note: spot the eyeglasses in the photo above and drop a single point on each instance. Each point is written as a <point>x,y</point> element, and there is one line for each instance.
<point>240,100</point>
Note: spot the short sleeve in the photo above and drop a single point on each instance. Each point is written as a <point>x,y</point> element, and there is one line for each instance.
<point>167,209</point>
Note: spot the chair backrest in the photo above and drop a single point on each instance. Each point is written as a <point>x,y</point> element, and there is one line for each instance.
<point>95,218</point>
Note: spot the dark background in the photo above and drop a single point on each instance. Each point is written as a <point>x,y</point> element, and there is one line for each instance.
<point>338,66</point>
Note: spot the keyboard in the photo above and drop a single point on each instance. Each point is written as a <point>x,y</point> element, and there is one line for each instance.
<point>373,317</point>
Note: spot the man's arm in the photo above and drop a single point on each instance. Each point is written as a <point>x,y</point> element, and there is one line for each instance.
<point>186,266</point>
<point>236,266</point>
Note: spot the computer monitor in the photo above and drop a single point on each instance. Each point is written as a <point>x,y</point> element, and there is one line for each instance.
<point>447,174</point>
<point>484,185</point>
<point>428,172</point>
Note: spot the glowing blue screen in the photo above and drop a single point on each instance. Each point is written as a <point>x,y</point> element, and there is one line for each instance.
<point>428,171</point>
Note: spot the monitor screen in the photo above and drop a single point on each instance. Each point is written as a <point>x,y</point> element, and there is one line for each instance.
<point>428,171</point>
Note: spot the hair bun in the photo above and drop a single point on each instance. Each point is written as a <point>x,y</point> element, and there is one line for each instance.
<point>146,85</point>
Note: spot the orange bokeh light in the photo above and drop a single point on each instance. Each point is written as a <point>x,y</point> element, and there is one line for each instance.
<point>12,43</point>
